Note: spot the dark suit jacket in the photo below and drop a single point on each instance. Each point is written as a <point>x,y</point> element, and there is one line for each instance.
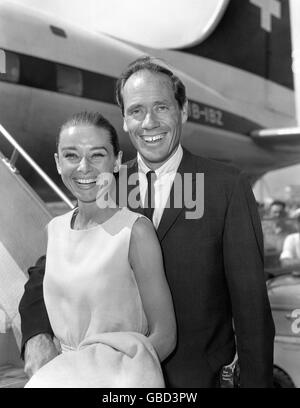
<point>214,267</point>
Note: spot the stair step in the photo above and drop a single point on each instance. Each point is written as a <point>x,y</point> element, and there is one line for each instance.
<point>12,377</point>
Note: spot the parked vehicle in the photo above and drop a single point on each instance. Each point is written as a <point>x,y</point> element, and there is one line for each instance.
<point>284,295</point>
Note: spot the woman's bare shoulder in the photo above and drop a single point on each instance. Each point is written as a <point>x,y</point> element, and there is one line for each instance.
<point>141,227</point>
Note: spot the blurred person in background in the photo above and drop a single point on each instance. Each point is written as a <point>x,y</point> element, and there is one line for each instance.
<point>290,255</point>
<point>275,229</point>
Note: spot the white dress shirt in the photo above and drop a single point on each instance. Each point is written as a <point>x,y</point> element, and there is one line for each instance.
<point>165,176</point>
<point>291,247</point>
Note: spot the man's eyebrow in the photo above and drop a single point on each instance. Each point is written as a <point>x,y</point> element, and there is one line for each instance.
<point>134,105</point>
<point>164,101</point>
<point>157,102</point>
<point>99,148</point>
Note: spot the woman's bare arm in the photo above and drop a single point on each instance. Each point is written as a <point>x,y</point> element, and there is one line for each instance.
<point>146,261</point>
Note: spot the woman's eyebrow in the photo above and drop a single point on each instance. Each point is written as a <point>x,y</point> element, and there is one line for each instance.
<point>92,148</point>
<point>68,148</point>
<point>100,148</point>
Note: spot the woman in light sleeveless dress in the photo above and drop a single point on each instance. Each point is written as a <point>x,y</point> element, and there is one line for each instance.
<point>105,290</point>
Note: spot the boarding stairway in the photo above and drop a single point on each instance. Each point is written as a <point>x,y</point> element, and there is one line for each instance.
<point>23,220</point>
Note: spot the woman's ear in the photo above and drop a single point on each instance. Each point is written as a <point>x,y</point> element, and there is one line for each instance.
<point>57,163</point>
<point>118,162</point>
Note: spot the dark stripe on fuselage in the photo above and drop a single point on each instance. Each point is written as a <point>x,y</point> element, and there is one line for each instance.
<point>43,74</point>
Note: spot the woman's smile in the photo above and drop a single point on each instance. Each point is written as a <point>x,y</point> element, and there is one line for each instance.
<point>86,183</point>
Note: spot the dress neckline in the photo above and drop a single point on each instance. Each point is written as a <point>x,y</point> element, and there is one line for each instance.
<point>75,212</point>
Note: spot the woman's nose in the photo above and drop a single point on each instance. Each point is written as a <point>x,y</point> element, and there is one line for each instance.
<point>83,166</point>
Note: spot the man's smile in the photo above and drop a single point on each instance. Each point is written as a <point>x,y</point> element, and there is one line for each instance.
<point>152,138</point>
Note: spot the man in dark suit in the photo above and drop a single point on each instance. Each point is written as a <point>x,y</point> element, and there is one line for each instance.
<point>213,261</point>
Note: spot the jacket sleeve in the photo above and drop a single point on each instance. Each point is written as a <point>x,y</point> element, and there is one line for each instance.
<point>34,317</point>
<point>244,267</point>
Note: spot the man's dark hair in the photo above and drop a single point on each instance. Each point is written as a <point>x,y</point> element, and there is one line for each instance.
<point>149,64</point>
<point>92,119</point>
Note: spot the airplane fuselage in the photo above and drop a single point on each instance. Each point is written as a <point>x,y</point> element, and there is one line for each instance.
<point>55,70</point>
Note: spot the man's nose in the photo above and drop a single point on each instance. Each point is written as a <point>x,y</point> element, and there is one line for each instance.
<point>150,121</point>
<point>83,166</point>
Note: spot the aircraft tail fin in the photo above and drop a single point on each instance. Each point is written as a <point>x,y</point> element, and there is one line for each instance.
<point>254,36</point>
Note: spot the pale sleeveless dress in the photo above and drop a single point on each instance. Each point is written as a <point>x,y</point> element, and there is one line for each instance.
<point>95,308</point>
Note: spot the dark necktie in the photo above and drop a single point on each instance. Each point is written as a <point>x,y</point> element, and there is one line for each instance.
<point>149,203</point>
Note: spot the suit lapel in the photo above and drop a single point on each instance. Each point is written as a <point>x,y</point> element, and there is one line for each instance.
<point>171,214</point>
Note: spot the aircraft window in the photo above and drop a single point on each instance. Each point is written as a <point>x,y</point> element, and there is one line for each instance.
<point>2,62</point>
<point>69,80</point>
<point>12,68</point>
<point>98,87</point>
<point>37,73</point>
<point>58,31</point>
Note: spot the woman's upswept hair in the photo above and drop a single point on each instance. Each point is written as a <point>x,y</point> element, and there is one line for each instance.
<point>92,119</point>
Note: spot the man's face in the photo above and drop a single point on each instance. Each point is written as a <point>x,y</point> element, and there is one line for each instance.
<point>277,211</point>
<point>152,116</point>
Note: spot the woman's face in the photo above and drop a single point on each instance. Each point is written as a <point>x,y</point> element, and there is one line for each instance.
<point>84,153</point>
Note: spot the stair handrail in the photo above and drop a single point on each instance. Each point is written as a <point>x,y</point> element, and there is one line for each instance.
<point>35,166</point>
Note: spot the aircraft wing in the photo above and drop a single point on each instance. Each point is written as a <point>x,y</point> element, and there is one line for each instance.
<point>282,137</point>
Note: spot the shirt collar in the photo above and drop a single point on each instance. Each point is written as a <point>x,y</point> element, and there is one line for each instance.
<point>171,165</point>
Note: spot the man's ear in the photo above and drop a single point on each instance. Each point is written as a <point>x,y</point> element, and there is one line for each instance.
<point>185,112</point>
<point>125,128</point>
<point>57,163</point>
